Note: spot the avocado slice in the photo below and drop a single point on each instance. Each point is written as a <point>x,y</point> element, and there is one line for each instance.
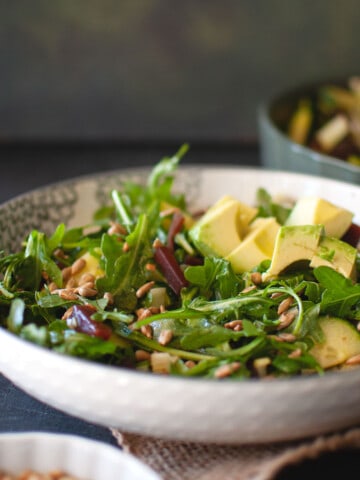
<point>336,254</point>
<point>341,342</point>
<point>293,244</point>
<point>246,213</point>
<point>318,211</point>
<point>220,229</point>
<point>256,246</point>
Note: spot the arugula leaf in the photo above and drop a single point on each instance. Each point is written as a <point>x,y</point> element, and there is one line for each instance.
<point>339,295</point>
<point>36,249</point>
<point>86,346</point>
<point>215,278</point>
<point>47,301</point>
<point>205,337</point>
<point>122,210</point>
<point>232,304</point>
<point>152,345</point>
<point>268,208</point>
<point>125,271</point>
<point>73,236</point>
<point>135,199</point>
<point>114,315</point>
<point>244,352</point>
<point>103,214</point>
<point>291,366</point>
<point>313,291</point>
<point>217,310</point>
<point>284,288</point>
<point>160,180</point>
<point>56,238</point>
<point>310,325</point>
<point>250,330</point>
<point>76,240</point>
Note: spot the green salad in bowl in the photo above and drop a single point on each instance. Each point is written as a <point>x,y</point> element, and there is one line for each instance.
<point>237,290</point>
<point>328,120</point>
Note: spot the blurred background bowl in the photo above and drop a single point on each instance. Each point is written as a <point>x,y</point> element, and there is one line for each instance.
<point>278,151</point>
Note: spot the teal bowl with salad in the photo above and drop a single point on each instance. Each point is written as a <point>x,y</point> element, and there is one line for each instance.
<point>314,129</point>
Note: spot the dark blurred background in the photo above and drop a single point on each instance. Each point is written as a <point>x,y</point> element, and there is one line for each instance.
<point>162,70</point>
<point>89,85</point>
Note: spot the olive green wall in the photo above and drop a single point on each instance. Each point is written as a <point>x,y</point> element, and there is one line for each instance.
<point>158,69</point>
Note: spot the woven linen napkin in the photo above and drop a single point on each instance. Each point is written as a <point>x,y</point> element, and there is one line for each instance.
<point>178,460</point>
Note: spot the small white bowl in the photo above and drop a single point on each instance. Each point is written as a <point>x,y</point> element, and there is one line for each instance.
<point>80,457</point>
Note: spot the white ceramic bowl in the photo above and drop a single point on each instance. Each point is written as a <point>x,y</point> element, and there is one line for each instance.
<point>166,406</point>
<point>77,456</point>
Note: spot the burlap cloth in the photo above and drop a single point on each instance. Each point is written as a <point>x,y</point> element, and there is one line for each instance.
<point>177,460</point>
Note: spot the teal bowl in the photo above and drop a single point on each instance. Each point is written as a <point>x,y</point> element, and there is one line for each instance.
<point>279,152</point>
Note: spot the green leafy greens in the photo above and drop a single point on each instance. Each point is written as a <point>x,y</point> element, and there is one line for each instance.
<point>148,297</point>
